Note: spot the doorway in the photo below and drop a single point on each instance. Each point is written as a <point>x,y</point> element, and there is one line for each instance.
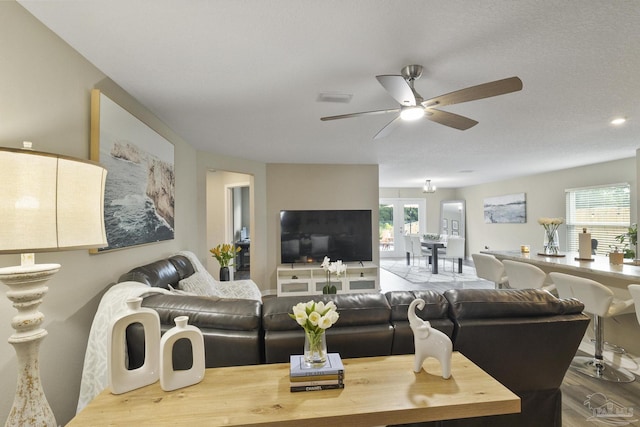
<point>230,218</point>
<point>239,226</point>
<point>397,218</point>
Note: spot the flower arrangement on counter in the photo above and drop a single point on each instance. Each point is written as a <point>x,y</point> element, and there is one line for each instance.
<point>224,253</point>
<point>332,267</point>
<point>551,225</point>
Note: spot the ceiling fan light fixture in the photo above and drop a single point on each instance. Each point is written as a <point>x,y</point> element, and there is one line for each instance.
<point>428,188</point>
<point>411,113</point>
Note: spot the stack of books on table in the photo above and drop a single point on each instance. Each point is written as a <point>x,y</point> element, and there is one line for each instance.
<point>327,377</point>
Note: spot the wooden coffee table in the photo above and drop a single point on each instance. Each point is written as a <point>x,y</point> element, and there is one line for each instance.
<point>378,391</point>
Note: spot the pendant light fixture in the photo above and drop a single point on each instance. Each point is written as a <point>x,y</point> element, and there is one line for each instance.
<point>428,188</point>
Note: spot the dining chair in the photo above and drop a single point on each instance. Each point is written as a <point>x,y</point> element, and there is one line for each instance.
<point>490,268</point>
<point>412,245</point>
<point>599,301</point>
<point>525,276</point>
<point>454,250</point>
<point>417,248</point>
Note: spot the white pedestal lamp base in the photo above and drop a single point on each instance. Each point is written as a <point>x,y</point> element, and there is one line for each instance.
<point>26,290</point>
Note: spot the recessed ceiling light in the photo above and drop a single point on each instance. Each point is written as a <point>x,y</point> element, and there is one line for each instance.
<point>618,121</point>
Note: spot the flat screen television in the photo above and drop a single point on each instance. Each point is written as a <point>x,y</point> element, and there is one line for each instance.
<point>307,236</point>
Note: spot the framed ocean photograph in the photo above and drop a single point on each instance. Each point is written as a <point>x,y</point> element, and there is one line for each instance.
<point>511,208</point>
<point>140,187</point>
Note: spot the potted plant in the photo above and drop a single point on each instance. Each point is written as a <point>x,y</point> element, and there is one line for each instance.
<point>615,256</point>
<point>632,236</point>
<point>332,267</point>
<point>224,253</point>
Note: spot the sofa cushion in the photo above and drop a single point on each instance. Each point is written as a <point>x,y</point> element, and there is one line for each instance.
<point>354,310</point>
<point>436,305</point>
<point>231,329</point>
<point>362,330</point>
<point>207,312</point>
<point>161,273</point>
<point>506,303</point>
<point>435,311</point>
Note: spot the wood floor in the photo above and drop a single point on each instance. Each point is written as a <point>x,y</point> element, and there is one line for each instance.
<point>582,394</point>
<point>577,389</point>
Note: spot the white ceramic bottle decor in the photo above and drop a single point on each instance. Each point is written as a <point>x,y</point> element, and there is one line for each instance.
<point>171,379</point>
<point>122,379</point>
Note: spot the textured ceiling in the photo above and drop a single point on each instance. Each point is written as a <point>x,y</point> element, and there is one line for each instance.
<point>242,77</point>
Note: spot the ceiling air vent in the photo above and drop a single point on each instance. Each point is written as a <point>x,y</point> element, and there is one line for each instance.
<point>342,98</point>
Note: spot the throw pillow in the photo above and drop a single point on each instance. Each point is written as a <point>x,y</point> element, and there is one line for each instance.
<point>201,283</point>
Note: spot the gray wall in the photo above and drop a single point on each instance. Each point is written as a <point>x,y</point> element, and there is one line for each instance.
<point>45,98</point>
<point>545,196</point>
<point>305,186</point>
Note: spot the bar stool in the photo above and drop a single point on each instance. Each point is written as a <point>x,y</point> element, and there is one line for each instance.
<point>526,276</point>
<point>634,290</point>
<point>599,301</point>
<point>490,268</point>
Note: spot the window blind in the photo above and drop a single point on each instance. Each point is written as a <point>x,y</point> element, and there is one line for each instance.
<point>605,211</point>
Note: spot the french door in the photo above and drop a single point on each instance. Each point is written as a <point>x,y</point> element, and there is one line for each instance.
<point>399,217</point>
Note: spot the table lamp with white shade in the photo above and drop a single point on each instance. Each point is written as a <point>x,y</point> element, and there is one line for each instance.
<point>48,203</point>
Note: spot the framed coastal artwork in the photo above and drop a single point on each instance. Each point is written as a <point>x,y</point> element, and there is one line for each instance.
<point>140,186</point>
<point>511,208</point>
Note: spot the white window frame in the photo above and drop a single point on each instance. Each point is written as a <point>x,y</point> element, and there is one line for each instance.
<point>604,228</point>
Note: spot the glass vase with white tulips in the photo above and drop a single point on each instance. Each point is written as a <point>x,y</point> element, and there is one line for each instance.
<point>315,318</point>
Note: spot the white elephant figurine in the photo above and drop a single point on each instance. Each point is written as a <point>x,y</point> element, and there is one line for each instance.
<point>429,342</point>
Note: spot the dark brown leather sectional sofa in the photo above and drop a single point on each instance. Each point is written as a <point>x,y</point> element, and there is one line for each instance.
<point>523,338</point>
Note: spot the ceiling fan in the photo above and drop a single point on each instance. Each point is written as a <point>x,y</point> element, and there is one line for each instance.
<point>413,106</point>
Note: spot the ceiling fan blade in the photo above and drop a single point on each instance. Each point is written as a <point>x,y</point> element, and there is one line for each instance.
<point>449,119</point>
<point>364,113</point>
<point>398,88</point>
<point>388,128</point>
<point>485,90</point>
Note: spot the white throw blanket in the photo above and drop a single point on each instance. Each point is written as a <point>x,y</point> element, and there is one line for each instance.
<point>95,374</point>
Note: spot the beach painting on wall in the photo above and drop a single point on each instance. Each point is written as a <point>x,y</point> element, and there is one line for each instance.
<point>511,208</point>
<point>140,186</point>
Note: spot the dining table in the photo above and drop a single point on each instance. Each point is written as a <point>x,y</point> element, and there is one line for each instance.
<point>434,245</point>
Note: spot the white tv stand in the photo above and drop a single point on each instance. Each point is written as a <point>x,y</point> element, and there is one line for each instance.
<point>309,279</point>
